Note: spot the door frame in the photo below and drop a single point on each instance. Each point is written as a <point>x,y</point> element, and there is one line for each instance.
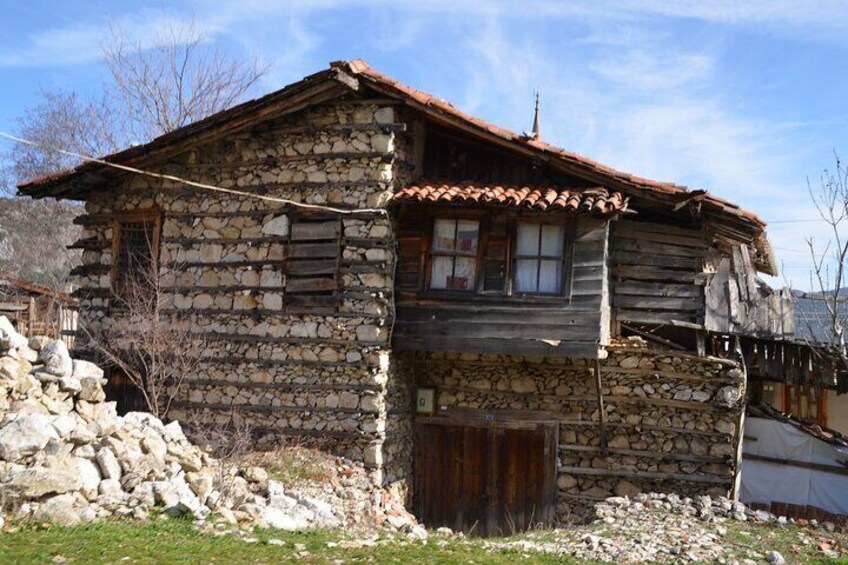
<point>494,421</point>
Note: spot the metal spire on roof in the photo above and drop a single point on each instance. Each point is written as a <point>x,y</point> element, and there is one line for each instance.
<point>537,131</point>
<point>537,127</point>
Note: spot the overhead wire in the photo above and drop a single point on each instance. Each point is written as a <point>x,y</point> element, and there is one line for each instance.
<point>195,184</point>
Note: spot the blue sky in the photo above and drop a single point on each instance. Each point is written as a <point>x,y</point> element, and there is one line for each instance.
<point>747,100</point>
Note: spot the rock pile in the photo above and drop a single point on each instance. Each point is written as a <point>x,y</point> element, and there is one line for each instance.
<point>67,457</point>
<point>661,528</point>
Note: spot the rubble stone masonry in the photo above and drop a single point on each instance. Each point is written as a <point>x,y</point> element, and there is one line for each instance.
<point>671,418</point>
<point>290,361</point>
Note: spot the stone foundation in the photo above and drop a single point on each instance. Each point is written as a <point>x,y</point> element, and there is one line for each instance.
<point>671,418</point>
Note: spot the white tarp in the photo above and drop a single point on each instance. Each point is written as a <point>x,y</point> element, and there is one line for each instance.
<point>766,482</point>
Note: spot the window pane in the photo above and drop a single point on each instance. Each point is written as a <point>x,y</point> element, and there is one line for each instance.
<point>550,277</point>
<point>441,272</point>
<point>444,235</point>
<point>464,274</point>
<point>525,275</point>
<point>528,239</point>
<point>467,236</point>
<point>552,240</point>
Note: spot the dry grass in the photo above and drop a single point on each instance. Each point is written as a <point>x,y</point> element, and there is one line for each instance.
<point>292,465</point>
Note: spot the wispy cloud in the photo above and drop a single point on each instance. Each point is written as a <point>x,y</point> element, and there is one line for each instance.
<point>620,81</point>
<point>81,43</point>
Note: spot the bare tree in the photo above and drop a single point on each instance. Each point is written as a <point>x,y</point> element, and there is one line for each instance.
<point>153,347</point>
<point>178,81</point>
<point>150,91</point>
<point>826,315</point>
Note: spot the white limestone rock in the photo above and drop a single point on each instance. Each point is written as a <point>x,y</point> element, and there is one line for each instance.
<point>25,435</point>
<point>9,336</point>
<point>278,226</point>
<point>57,361</point>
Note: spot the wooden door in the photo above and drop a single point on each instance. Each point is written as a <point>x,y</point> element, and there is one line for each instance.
<point>485,479</point>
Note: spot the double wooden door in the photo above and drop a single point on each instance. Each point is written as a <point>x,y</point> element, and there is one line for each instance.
<point>485,478</point>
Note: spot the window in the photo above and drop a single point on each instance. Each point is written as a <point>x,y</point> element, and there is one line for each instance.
<point>539,258</point>
<point>501,254</point>
<point>135,250</point>
<point>453,255</point>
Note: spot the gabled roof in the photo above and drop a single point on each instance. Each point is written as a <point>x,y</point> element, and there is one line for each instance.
<point>596,201</point>
<point>345,76</point>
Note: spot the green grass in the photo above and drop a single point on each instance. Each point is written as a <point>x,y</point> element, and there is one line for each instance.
<point>168,541</point>
<point>176,541</point>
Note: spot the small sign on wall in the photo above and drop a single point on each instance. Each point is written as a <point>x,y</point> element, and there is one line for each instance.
<point>425,401</point>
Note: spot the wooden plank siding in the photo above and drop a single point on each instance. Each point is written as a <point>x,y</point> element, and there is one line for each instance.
<point>657,272</point>
<point>571,324</point>
<point>485,478</point>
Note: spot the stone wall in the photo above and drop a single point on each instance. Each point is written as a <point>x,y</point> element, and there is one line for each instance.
<point>226,263</point>
<point>671,418</point>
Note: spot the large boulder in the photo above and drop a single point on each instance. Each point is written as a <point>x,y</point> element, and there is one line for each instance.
<point>108,463</point>
<point>57,361</point>
<point>64,510</point>
<point>35,482</point>
<point>103,416</point>
<point>25,435</point>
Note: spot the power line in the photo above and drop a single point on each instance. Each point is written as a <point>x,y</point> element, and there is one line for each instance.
<point>200,185</point>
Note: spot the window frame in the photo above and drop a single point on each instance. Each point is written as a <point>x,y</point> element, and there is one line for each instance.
<point>510,235</point>
<point>146,215</point>
<point>430,253</point>
<point>564,260</point>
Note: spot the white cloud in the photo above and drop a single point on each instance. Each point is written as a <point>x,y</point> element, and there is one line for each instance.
<point>81,43</point>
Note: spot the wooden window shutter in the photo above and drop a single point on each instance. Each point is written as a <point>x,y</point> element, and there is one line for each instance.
<point>313,259</point>
<point>410,262</point>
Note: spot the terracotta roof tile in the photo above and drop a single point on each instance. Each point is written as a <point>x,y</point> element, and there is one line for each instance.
<point>596,201</point>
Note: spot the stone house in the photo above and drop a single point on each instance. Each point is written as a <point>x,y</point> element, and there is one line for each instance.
<point>501,330</point>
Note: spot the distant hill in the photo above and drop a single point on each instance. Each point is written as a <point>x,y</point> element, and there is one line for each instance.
<point>812,319</point>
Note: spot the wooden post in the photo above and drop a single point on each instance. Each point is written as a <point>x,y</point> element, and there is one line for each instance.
<point>740,428</point>
<point>602,417</point>
<point>30,332</point>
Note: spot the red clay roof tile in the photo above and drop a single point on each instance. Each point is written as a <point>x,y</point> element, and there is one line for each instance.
<point>596,201</point>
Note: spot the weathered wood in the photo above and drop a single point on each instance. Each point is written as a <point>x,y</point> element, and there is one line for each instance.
<point>499,314</point>
<point>602,415</point>
<point>655,273</point>
<point>319,267</point>
<point>658,289</point>
<point>278,160</point>
<point>652,337</point>
<point>642,246</point>
<point>692,304</point>
<point>315,231</point>
<point>646,317</point>
<point>311,285</point>
<point>639,374</point>
<point>690,458</point>
<point>585,349</point>
<point>646,428</point>
<point>832,469</point>
<point>293,387</point>
<point>652,475</point>
<point>620,257</point>
<point>493,330</point>
<point>486,479</point>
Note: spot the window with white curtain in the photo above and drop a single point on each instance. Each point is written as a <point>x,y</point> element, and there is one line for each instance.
<point>453,257</point>
<point>539,258</point>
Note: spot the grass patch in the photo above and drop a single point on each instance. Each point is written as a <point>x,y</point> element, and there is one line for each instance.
<point>175,541</point>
